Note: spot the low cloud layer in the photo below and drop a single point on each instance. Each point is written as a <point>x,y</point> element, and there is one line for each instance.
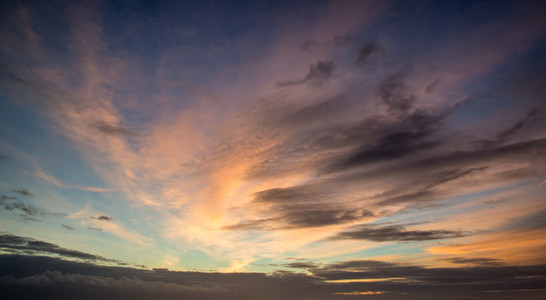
<point>27,277</point>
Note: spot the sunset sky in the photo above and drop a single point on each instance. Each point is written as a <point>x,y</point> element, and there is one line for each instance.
<point>273,149</point>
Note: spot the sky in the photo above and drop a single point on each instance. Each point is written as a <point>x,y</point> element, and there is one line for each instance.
<point>273,149</point>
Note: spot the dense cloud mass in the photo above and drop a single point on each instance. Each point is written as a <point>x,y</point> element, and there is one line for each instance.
<point>25,277</point>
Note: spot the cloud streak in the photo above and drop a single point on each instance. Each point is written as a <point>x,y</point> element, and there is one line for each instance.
<point>318,73</point>
<point>395,233</point>
<point>23,245</point>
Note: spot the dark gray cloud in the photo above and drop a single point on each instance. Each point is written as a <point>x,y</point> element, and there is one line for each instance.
<point>50,278</point>
<point>396,95</point>
<point>3,157</point>
<point>112,129</point>
<point>529,151</point>
<point>483,277</point>
<point>103,218</point>
<point>94,228</point>
<point>409,135</point>
<point>450,175</point>
<point>317,112</point>
<point>302,218</point>
<point>394,233</point>
<point>4,198</point>
<point>507,133</point>
<point>292,217</point>
<point>392,146</point>
<point>67,227</point>
<point>302,265</point>
<point>28,211</point>
<point>318,73</point>
<point>309,204</point>
<point>475,261</point>
<point>364,53</point>
<point>23,192</point>
<point>129,287</point>
<point>38,277</point>
<point>453,165</point>
<point>423,189</point>
<point>289,195</point>
<point>29,246</point>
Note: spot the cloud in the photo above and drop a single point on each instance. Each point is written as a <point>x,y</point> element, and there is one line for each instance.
<point>405,136</point>
<point>30,212</point>
<point>53,180</point>
<point>487,277</point>
<point>66,279</point>
<point>103,218</point>
<point>23,192</point>
<point>395,94</point>
<point>448,175</point>
<point>482,261</point>
<point>29,246</point>
<point>67,227</point>
<point>393,146</point>
<point>53,278</point>
<point>6,197</point>
<point>110,129</point>
<point>297,217</point>
<point>364,53</point>
<point>395,233</point>
<point>128,286</point>
<point>433,173</point>
<point>507,133</point>
<point>302,265</point>
<point>318,73</point>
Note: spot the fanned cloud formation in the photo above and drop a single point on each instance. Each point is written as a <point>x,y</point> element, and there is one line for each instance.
<point>273,150</point>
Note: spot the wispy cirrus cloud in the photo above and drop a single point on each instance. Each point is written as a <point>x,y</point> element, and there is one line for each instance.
<point>53,180</point>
